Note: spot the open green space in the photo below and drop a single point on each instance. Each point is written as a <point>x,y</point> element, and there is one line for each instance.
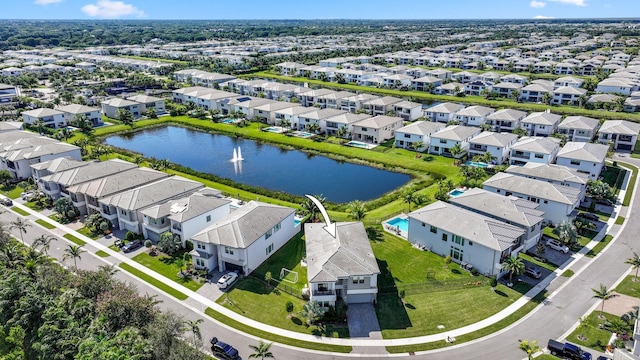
<point>102,254</point>
<point>249,297</point>
<point>74,239</point>
<point>20,211</point>
<point>547,265</point>
<point>11,191</point>
<point>45,224</point>
<point>471,100</point>
<point>153,281</point>
<point>89,233</point>
<point>613,176</point>
<point>583,240</point>
<point>600,246</point>
<point>629,286</point>
<point>289,256</point>
<point>591,335</point>
<point>276,338</point>
<point>546,356</point>
<point>166,266</point>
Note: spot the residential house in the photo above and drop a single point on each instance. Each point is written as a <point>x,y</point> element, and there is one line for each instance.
<point>408,110</point>
<point>579,128</point>
<point>558,202</point>
<point>585,157</point>
<point>49,117</point>
<point>464,77</point>
<point>377,129</point>
<point>341,266</point>
<point>536,90</point>
<point>477,87</point>
<point>623,134</point>
<point>86,196</point>
<point>310,98</point>
<point>8,94</point>
<point>333,100</point>
<point>534,149</point>
<point>52,166</point>
<point>514,78</point>
<point>509,209</point>
<point>617,86</point>
<point>505,119</point>
<point>380,106</point>
<point>443,140</point>
<point>185,217</point>
<point>123,209</point>
<point>474,115</point>
<point>426,83</point>
<point>110,108</point>
<point>555,174</point>
<point>147,102</point>
<point>267,112</point>
<point>541,123</point>
<point>355,103</point>
<point>452,88</point>
<point>245,238</point>
<point>317,116</point>
<point>74,111</point>
<point>497,144</point>
<point>505,89</point>
<point>466,236</point>
<point>346,120</point>
<point>248,104</point>
<point>568,95</point>
<point>290,68</point>
<point>443,112</point>
<point>568,81</point>
<point>289,116</point>
<point>417,132</point>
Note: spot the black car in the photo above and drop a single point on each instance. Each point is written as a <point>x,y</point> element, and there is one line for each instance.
<point>223,350</point>
<point>589,216</point>
<point>6,202</point>
<point>133,245</point>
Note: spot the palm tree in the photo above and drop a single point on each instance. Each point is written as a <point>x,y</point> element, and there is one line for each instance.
<point>194,327</point>
<point>635,264</point>
<point>21,225</point>
<point>125,116</point>
<point>486,127</point>
<point>567,232</point>
<point>455,151</point>
<point>417,145</point>
<point>520,131</point>
<point>74,252</point>
<point>64,134</point>
<point>515,95</point>
<point>513,265</point>
<point>357,210</point>
<point>261,351</point>
<point>43,242</point>
<point>341,132</point>
<point>603,294</point>
<point>546,98</point>
<point>530,348</point>
<point>285,123</point>
<point>582,325</point>
<point>313,127</point>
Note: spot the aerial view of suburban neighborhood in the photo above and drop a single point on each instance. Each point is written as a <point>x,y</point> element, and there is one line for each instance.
<point>252,179</point>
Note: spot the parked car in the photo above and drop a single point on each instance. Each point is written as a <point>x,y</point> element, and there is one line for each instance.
<point>567,351</point>
<point>606,202</point>
<point>589,216</point>
<point>223,350</point>
<point>133,245</point>
<point>6,202</point>
<point>557,245</point>
<point>532,272</point>
<point>227,279</point>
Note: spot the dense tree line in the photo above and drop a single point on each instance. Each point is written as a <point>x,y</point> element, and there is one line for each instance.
<point>48,312</point>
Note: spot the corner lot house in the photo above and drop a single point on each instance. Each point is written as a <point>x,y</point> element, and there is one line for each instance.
<point>419,131</point>
<point>555,174</point>
<point>52,166</point>
<point>342,266</point>
<point>443,140</point>
<point>110,108</point>
<point>586,158</point>
<point>245,238</point>
<point>623,134</point>
<point>579,128</point>
<point>377,129</point>
<point>558,202</point>
<point>468,237</point>
<point>497,144</point>
<point>509,209</point>
<point>51,118</point>
<point>534,149</point>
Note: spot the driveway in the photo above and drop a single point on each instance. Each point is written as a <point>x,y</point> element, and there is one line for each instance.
<point>363,322</point>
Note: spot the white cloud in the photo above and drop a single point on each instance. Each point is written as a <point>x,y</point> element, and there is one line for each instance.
<point>543,17</point>
<point>46,2</point>
<point>537,4</point>
<point>572,2</point>
<point>111,9</point>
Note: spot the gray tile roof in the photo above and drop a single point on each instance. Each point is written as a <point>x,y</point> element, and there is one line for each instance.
<point>483,230</point>
<point>118,102</point>
<point>494,139</point>
<point>542,118</point>
<point>475,110</point>
<point>348,254</point>
<point>421,128</point>
<point>447,108</point>
<point>540,145</point>
<point>549,172</point>
<point>244,226</point>
<point>77,109</point>
<point>348,118</point>
<point>40,113</point>
<point>456,132</point>
<point>584,151</point>
<point>507,114</point>
<point>189,207</point>
<point>320,114</point>
<point>153,193</point>
<point>59,164</point>
<point>118,182</point>
<point>579,122</point>
<point>379,121</point>
<point>535,188</point>
<point>92,171</point>
<point>620,127</point>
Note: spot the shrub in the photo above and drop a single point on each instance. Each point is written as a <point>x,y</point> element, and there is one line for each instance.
<point>188,245</point>
<point>130,236</point>
<point>289,307</point>
<point>493,281</point>
<point>147,243</point>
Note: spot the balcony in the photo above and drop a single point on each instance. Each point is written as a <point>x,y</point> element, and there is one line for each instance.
<point>520,156</point>
<point>324,292</point>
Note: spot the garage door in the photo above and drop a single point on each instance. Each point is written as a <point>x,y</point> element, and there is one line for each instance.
<point>624,147</point>
<point>153,236</point>
<point>233,267</point>
<point>360,298</point>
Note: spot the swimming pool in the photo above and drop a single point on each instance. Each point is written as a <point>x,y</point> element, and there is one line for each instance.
<point>357,144</point>
<point>303,134</point>
<point>456,192</point>
<point>476,164</point>
<point>399,223</point>
<point>297,220</point>
<point>273,129</point>
<point>229,121</point>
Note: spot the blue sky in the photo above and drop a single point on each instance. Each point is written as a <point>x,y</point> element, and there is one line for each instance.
<point>327,9</point>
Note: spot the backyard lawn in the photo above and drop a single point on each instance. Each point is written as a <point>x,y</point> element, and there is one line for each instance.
<point>628,286</point>
<point>11,191</point>
<point>256,300</point>
<point>594,337</point>
<point>289,257</point>
<point>165,265</point>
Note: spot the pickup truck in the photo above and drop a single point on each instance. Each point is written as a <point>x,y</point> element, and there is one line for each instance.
<point>567,351</point>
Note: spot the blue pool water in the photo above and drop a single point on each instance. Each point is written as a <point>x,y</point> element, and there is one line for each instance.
<point>401,223</point>
<point>456,192</point>
<point>272,129</point>
<point>357,144</point>
<point>296,222</point>
<point>476,164</point>
<point>229,121</point>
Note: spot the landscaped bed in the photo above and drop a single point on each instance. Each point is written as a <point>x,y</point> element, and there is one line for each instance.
<point>165,265</point>
<point>591,335</point>
<point>629,286</point>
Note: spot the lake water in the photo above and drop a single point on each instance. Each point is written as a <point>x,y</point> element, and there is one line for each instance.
<point>264,165</point>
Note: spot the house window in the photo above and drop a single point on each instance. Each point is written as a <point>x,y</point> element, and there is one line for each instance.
<point>199,262</point>
<point>407,135</point>
<point>269,249</point>
<point>539,156</point>
<point>323,287</point>
<point>228,250</point>
<point>277,227</point>
<point>433,229</point>
<point>364,129</point>
<point>458,240</point>
<point>358,279</point>
<point>423,224</point>
<point>575,162</point>
<point>443,141</point>
<point>444,237</point>
<point>123,212</point>
<point>200,245</point>
<point>268,234</point>
<point>208,218</point>
<point>456,253</point>
<point>470,243</point>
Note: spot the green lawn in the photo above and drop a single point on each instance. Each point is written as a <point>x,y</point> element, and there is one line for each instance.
<point>568,273</point>
<point>11,191</point>
<point>20,211</point>
<point>249,297</point>
<point>102,254</point>
<point>546,265</point>
<point>631,185</point>
<point>594,337</point>
<point>166,266</point>
<point>89,233</point>
<point>153,281</point>
<point>619,220</point>
<point>629,287</point>
<point>45,224</point>
<point>600,246</point>
<point>546,356</point>
<point>289,257</point>
<point>74,239</point>
<point>613,176</point>
<point>273,337</point>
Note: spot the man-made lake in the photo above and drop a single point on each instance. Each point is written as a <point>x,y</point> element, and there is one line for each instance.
<point>266,166</point>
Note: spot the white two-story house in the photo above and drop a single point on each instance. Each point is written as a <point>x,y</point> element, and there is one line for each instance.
<point>443,140</point>
<point>377,129</point>
<point>474,115</point>
<point>579,128</point>
<point>417,132</point>
<point>534,149</point>
<point>51,118</point>
<point>585,157</point>
<point>497,144</point>
<point>623,134</point>
<point>541,123</point>
<point>443,112</point>
<point>555,174</point>
<point>505,119</point>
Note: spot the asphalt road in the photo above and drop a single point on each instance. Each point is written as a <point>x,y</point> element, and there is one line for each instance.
<point>567,303</point>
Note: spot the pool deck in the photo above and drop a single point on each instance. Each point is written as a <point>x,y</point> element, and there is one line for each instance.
<point>367,146</point>
<point>394,230</point>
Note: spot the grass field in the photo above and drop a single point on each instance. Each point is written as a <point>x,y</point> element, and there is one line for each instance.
<point>11,191</point>
<point>600,246</point>
<point>153,281</point>
<point>629,286</point>
<point>74,239</point>
<point>289,257</point>
<point>19,211</point>
<point>165,265</point>
<point>45,224</point>
<point>591,336</point>
<point>102,254</point>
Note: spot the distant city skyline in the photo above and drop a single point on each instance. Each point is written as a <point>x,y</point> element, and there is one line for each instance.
<point>328,9</point>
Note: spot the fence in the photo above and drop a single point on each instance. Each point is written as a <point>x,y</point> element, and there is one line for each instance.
<point>281,286</point>
<point>434,285</point>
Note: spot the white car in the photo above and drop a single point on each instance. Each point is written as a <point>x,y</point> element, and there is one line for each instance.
<point>227,279</point>
<point>557,245</point>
